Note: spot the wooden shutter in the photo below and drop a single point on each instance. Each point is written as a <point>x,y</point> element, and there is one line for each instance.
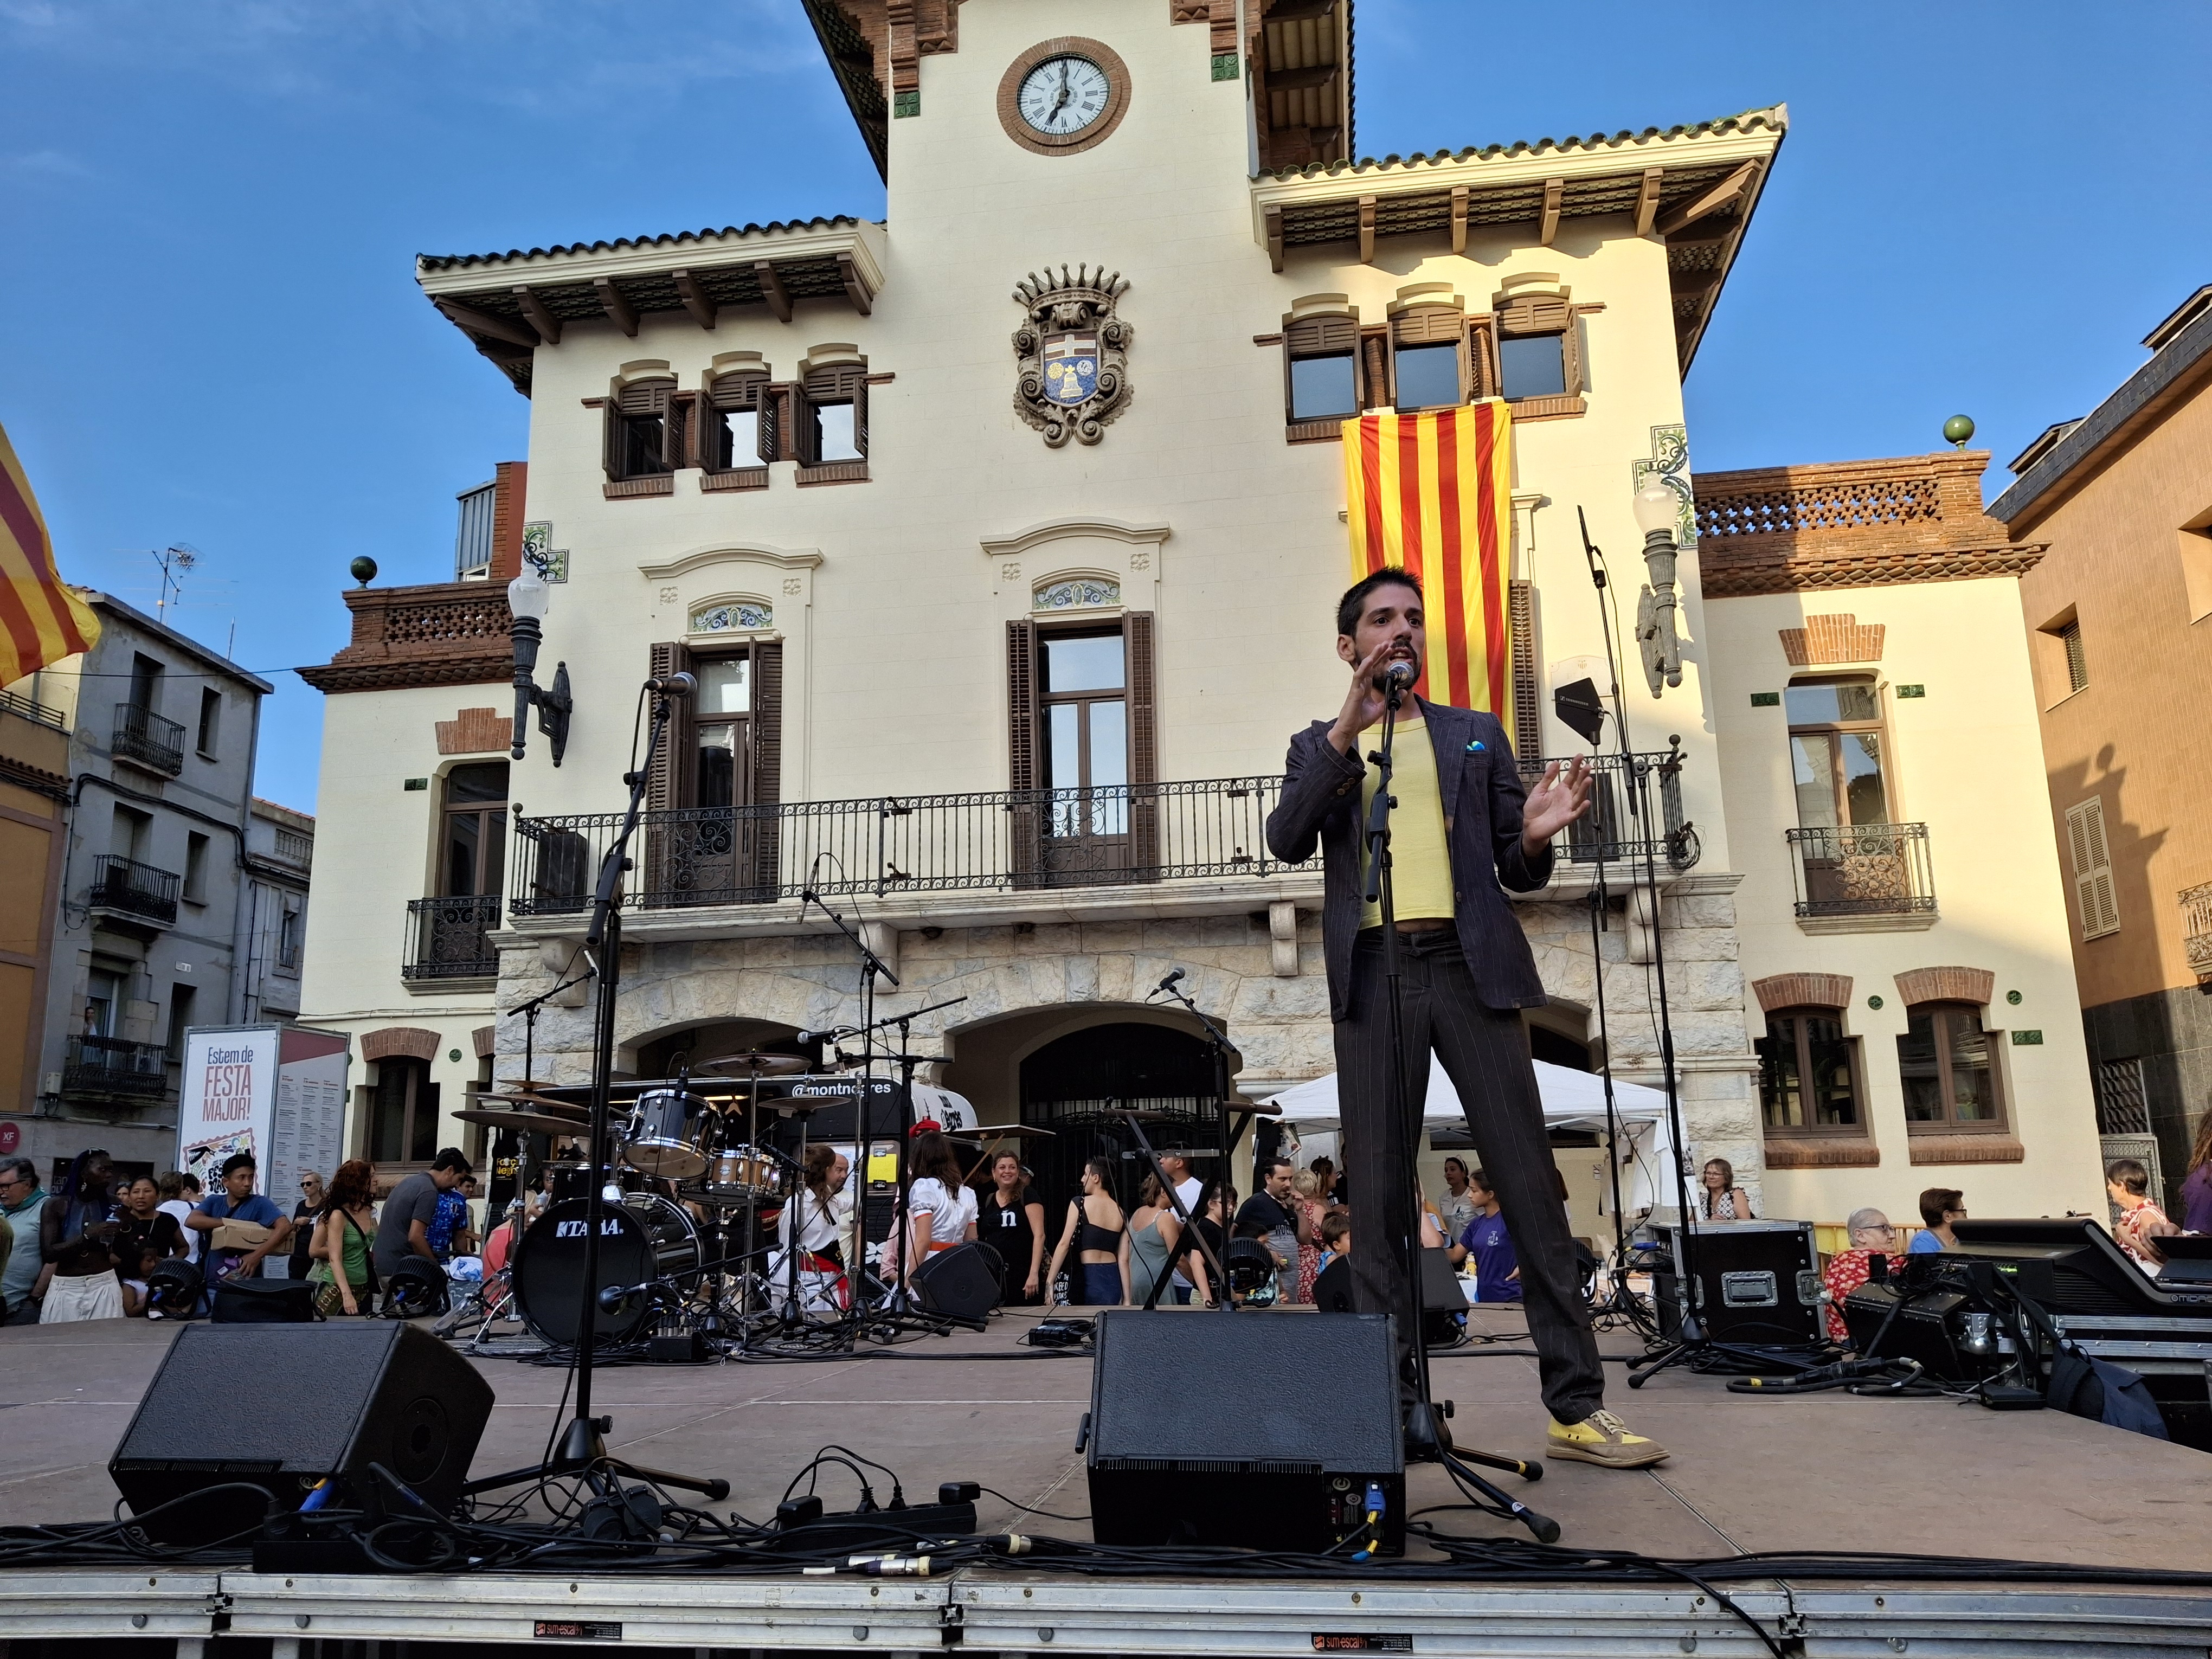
<point>1144,745</point>
<point>610,452</point>
<point>766,722</point>
<point>1023,823</point>
<point>2095,896</point>
<point>677,427</point>
<point>1528,732</point>
<point>772,423</point>
<point>861,415</point>
<point>706,429</point>
<point>1377,382</point>
<point>671,785</point>
<point>1481,361</point>
<point>803,439</point>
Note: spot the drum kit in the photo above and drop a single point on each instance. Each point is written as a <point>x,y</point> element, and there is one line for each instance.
<point>690,1206</point>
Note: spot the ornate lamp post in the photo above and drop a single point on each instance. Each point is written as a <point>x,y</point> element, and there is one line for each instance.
<point>1657,510</point>
<point>528,599</point>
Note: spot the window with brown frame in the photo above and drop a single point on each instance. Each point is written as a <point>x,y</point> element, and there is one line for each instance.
<point>472,856</point>
<point>1429,367</point>
<point>1948,1066</point>
<point>1320,375</point>
<point>736,427</point>
<point>1080,710</point>
<point>646,434</point>
<point>829,424</point>
<point>1540,368</point>
<point>403,1114</point>
<point>1808,1074</point>
<point>1836,748</point>
<point>719,763</point>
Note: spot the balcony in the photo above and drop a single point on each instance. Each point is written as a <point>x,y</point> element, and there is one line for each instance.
<point>98,1068</point>
<point>2197,928</point>
<point>1865,874</point>
<point>133,892</point>
<point>1012,842</point>
<point>446,939</point>
<point>146,738</point>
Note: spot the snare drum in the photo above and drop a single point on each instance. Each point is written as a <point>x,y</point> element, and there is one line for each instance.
<point>743,1171</point>
<point>666,1135</point>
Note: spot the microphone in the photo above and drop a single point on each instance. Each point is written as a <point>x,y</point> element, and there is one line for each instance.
<point>1398,676</point>
<point>673,685</point>
<point>1168,983</point>
<point>613,1296</point>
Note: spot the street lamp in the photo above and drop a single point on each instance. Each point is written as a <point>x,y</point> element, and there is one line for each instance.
<point>528,599</point>
<point>1657,510</point>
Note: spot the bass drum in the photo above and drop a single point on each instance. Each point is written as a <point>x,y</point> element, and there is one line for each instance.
<point>644,1237</point>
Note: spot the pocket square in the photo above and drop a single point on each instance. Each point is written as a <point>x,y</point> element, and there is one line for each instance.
<point>1475,748</point>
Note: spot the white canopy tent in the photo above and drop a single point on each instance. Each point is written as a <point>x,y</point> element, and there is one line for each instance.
<point>1572,1100</point>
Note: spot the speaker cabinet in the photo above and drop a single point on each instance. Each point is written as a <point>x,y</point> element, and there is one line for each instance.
<point>284,1407</point>
<point>1259,1429</point>
<point>961,1283</point>
<point>1757,1282</point>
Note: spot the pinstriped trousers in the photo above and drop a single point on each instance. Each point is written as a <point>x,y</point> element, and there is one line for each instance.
<point>1485,1053</point>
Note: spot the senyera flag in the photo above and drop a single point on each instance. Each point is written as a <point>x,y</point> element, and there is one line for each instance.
<point>1432,491</point>
<point>41,622</point>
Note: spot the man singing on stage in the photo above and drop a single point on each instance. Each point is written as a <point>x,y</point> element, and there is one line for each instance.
<point>1463,825</point>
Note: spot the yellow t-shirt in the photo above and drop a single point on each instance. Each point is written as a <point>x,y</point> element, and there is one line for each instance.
<point>1420,861</point>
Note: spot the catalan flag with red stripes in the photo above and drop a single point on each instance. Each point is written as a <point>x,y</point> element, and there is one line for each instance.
<point>1432,491</point>
<point>41,622</point>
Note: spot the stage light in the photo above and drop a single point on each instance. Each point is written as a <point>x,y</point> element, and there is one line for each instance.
<point>528,600</point>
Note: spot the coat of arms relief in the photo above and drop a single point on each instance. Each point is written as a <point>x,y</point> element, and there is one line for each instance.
<point>1073,352</point>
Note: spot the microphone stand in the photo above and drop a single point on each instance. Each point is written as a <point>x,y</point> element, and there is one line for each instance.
<point>582,1449</point>
<point>1217,1042</point>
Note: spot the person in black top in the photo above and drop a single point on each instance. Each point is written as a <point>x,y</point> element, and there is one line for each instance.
<point>1095,1225</point>
<point>144,1222</point>
<point>1266,1215</point>
<point>1211,1213</point>
<point>305,1215</point>
<point>1012,1222</point>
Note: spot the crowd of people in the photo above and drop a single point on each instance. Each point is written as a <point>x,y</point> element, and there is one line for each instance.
<point>93,1246</point>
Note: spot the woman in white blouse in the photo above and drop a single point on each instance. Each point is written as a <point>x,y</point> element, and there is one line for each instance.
<point>940,1209</point>
<point>823,1284</point>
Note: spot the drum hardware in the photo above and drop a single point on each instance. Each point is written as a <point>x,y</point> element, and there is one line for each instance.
<point>534,1123</point>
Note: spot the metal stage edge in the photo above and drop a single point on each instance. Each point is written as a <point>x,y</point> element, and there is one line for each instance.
<point>1010,1613</point>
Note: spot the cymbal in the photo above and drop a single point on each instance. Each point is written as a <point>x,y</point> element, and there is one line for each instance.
<point>752,1064</point>
<point>535,1123</point>
<point>544,1104</point>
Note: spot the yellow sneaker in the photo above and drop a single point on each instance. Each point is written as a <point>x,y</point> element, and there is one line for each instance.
<point>1603,1439</point>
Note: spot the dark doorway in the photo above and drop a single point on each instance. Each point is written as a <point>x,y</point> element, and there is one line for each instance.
<point>1074,1085</point>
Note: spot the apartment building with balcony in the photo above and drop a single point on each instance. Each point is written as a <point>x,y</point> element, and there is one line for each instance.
<point>148,917</point>
<point>1012,690</point>
<point>2118,623</point>
<point>1908,977</point>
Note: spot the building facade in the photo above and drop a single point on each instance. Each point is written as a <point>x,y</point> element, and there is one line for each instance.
<point>1011,687</point>
<point>1909,981</point>
<point>34,806</point>
<point>2119,621</point>
<point>151,916</point>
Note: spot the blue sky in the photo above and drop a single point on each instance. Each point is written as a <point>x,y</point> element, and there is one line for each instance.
<point>209,331</point>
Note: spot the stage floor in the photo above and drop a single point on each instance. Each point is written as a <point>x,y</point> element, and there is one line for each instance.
<point>1824,1471</point>
<point>1827,1471</point>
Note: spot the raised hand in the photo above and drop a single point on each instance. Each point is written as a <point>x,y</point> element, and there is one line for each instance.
<point>1560,797</point>
<point>1363,703</point>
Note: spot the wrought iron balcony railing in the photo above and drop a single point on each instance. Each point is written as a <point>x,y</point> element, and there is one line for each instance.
<point>445,939</point>
<point>30,709</point>
<point>124,888</point>
<point>110,1068</point>
<point>1863,869</point>
<point>1006,841</point>
<point>2197,928</point>
<point>149,739</point>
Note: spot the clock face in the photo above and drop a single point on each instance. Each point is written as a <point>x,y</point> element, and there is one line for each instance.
<point>1063,95</point>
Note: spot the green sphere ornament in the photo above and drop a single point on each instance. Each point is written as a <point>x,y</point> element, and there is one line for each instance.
<point>1958,428</point>
<point>363,569</point>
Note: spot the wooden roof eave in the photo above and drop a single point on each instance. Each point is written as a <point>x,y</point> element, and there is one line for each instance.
<point>863,241</point>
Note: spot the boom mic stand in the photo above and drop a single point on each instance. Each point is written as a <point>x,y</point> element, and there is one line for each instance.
<point>1403,1226</point>
<point>1692,1343</point>
<point>582,1449</point>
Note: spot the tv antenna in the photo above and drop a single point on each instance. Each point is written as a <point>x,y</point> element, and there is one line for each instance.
<point>175,561</point>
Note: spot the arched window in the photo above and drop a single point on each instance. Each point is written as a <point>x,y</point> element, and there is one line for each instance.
<point>1808,1074</point>
<point>402,1113</point>
<point>1947,1065</point>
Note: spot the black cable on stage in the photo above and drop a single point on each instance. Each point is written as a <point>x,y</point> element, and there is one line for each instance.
<point>1031,1509</point>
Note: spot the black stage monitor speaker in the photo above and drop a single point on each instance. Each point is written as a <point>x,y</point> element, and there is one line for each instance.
<point>1758,1282</point>
<point>961,1283</point>
<point>284,1407</point>
<point>2071,1265</point>
<point>1256,1429</point>
<point>264,1301</point>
